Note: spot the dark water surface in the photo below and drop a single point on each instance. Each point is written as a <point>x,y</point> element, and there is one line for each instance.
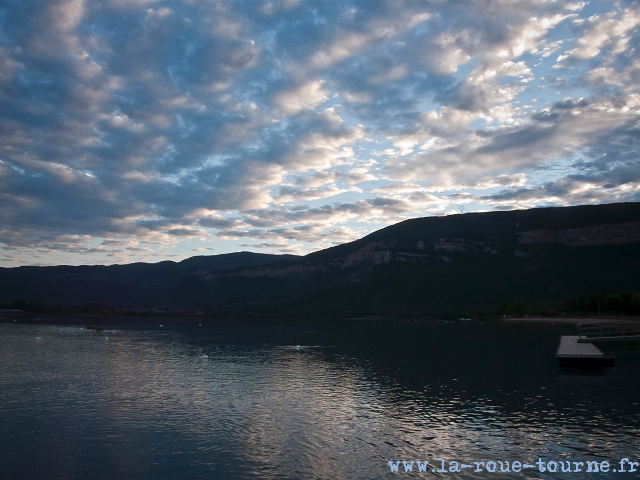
<point>356,394</point>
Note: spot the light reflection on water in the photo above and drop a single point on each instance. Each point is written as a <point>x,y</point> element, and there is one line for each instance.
<point>143,404</point>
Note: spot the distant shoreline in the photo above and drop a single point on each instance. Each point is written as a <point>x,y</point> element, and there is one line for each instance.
<point>81,319</point>
<point>569,320</point>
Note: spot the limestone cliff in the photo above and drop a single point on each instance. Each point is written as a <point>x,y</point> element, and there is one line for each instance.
<point>373,251</point>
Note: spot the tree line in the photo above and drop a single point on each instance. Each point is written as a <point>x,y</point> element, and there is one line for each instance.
<point>592,302</point>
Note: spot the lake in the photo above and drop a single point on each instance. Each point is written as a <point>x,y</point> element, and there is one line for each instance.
<point>306,400</point>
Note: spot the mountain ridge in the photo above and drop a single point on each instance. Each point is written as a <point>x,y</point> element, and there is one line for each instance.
<point>417,267</point>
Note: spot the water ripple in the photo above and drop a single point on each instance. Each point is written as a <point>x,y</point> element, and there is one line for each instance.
<point>307,404</point>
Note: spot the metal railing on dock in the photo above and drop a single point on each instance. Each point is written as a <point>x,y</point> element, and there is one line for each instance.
<point>608,331</point>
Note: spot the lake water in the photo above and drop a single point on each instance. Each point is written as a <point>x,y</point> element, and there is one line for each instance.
<point>355,395</point>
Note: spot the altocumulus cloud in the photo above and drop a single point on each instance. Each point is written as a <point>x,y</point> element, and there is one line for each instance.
<point>152,129</point>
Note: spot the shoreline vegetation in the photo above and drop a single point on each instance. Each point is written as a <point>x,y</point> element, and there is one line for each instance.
<point>570,320</point>
<point>104,319</point>
<point>591,306</point>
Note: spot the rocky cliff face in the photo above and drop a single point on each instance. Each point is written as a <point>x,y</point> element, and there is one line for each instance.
<point>440,249</point>
<point>376,252</point>
<point>607,234</point>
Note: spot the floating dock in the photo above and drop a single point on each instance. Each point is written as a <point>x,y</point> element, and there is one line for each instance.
<point>573,353</point>
<point>609,331</point>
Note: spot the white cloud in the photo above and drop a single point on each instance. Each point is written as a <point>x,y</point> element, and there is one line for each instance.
<point>307,96</point>
<point>295,195</point>
<point>605,30</point>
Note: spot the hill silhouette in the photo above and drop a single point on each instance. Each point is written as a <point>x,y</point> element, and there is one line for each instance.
<point>458,264</point>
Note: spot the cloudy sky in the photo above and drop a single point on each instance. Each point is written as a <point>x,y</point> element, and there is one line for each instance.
<point>144,130</point>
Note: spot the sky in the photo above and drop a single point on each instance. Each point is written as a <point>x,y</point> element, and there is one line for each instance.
<point>144,130</point>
